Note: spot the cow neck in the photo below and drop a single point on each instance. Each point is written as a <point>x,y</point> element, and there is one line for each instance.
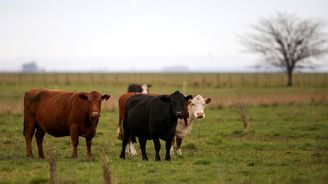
<point>191,116</point>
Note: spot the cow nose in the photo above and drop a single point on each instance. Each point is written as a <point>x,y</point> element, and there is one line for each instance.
<point>200,114</point>
<point>179,114</point>
<point>95,114</point>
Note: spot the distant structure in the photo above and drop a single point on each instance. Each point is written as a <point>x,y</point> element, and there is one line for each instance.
<point>175,68</point>
<point>30,67</point>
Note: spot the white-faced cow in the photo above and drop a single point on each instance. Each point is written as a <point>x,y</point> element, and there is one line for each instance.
<point>140,88</point>
<point>195,111</point>
<point>61,113</point>
<point>152,117</point>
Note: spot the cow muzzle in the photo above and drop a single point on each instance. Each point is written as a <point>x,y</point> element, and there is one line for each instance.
<point>179,114</point>
<point>200,115</point>
<point>94,114</point>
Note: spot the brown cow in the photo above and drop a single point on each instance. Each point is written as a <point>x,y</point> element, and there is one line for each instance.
<point>61,113</point>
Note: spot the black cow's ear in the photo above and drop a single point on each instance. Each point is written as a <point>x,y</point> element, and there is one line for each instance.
<point>83,96</point>
<point>165,98</point>
<point>188,97</point>
<point>208,100</point>
<point>105,97</point>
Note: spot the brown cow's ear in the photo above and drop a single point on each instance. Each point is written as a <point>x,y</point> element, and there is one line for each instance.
<point>208,100</point>
<point>149,85</point>
<point>165,98</point>
<point>105,97</point>
<point>188,97</point>
<point>83,96</point>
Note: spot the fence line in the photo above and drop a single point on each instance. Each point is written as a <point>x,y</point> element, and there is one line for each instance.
<point>219,80</point>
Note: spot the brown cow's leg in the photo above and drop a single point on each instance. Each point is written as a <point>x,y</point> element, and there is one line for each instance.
<point>39,139</point>
<point>29,129</point>
<point>179,142</point>
<point>75,143</point>
<point>88,142</point>
<point>157,146</point>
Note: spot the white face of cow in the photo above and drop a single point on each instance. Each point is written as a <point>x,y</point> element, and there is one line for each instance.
<point>197,106</point>
<point>145,88</point>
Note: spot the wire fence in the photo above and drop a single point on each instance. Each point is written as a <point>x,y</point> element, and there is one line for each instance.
<point>218,80</point>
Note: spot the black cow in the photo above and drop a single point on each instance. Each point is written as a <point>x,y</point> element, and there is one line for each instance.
<point>141,88</point>
<point>152,117</point>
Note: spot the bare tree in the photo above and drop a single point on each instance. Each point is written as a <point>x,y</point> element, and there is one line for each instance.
<point>287,41</point>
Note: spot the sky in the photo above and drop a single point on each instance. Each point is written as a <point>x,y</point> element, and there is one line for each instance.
<point>136,35</point>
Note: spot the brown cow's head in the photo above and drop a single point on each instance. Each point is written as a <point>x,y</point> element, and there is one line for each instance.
<point>94,98</point>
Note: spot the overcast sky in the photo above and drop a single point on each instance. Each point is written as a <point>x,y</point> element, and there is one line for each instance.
<point>116,35</point>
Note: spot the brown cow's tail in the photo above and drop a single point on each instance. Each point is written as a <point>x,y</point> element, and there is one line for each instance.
<point>120,133</point>
<point>25,113</point>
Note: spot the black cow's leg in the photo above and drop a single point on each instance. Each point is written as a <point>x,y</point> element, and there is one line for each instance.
<point>142,142</point>
<point>179,141</point>
<point>168,145</point>
<point>157,146</point>
<point>39,139</point>
<point>124,143</point>
<point>75,143</point>
<point>88,142</point>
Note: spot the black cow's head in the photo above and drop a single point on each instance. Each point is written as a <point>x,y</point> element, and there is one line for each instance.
<point>177,102</point>
<point>94,102</point>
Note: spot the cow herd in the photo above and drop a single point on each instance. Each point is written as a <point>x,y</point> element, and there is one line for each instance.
<point>141,115</point>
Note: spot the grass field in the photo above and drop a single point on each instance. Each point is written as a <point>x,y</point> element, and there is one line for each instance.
<point>287,141</point>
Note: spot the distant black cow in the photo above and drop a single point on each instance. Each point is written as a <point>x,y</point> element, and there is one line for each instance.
<point>141,88</point>
<point>152,117</point>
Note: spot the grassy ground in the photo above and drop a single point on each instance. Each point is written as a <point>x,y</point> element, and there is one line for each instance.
<point>285,143</point>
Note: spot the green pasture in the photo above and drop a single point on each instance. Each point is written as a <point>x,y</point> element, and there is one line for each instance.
<point>287,141</point>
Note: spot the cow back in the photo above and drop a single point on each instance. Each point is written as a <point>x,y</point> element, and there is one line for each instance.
<point>54,110</point>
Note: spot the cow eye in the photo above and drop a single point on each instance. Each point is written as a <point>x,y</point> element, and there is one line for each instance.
<point>193,104</point>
